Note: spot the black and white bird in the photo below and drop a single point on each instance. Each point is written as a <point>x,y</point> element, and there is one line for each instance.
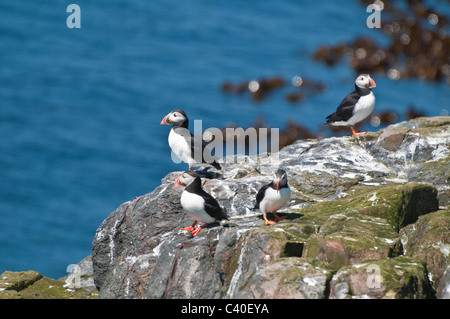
<point>197,203</point>
<point>356,106</point>
<point>183,143</point>
<point>273,196</point>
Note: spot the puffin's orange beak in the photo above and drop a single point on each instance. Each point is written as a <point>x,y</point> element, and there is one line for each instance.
<point>278,186</point>
<point>164,120</point>
<point>177,182</point>
<point>372,83</point>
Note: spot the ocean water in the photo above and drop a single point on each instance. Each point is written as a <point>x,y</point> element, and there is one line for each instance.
<point>81,108</point>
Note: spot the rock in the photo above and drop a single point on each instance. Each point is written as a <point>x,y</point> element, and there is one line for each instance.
<point>364,225</point>
<point>288,278</point>
<point>437,173</point>
<point>81,276</point>
<point>423,153</point>
<point>32,285</point>
<point>395,278</point>
<point>391,139</point>
<point>354,199</point>
<point>176,273</point>
<point>444,292</point>
<point>255,247</point>
<point>428,240</point>
<point>130,237</point>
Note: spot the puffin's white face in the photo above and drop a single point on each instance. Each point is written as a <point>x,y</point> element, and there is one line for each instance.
<point>174,117</point>
<point>365,81</point>
<point>280,178</point>
<point>186,178</point>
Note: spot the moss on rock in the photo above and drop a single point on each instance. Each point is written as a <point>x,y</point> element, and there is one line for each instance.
<point>17,281</point>
<point>364,224</point>
<point>32,285</point>
<point>398,204</point>
<point>428,240</point>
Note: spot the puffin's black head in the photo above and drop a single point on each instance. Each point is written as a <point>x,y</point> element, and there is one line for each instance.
<point>186,178</point>
<point>177,118</point>
<point>365,81</point>
<point>280,178</point>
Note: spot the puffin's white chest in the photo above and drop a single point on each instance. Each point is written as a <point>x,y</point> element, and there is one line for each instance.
<point>363,108</point>
<point>194,206</point>
<point>180,146</point>
<point>274,200</point>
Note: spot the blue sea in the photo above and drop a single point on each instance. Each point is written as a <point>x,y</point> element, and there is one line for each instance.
<point>81,108</point>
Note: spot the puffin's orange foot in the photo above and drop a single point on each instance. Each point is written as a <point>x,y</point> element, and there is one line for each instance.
<point>190,228</point>
<point>196,231</point>
<point>357,133</point>
<point>268,222</point>
<point>278,218</point>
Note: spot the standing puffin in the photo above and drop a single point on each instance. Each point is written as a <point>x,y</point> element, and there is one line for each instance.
<point>356,106</point>
<point>197,203</point>
<point>273,196</point>
<point>181,141</point>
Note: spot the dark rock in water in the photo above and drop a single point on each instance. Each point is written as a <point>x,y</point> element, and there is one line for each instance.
<point>360,208</point>
<point>258,89</point>
<point>418,44</point>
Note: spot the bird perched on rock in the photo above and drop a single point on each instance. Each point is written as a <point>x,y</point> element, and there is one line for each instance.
<point>273,196</point>
<point>183,143</point>
<point>197,203</point>
<point>356,106</point>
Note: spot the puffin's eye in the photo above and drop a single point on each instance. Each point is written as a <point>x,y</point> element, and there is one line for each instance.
<point>175,115</point>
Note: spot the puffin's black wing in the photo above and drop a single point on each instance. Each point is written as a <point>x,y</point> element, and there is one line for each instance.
<point>260,195</point>
<point>345,110</point>
<point>212,207</point>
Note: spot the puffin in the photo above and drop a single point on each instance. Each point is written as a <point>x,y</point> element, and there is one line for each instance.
<point>181,141</point>
<point>197,203</point>
<point>356,106</point>
<point>273,196</point>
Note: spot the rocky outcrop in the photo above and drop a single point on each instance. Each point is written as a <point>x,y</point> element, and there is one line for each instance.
<point>32,285</point>
<point>367,219</point>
